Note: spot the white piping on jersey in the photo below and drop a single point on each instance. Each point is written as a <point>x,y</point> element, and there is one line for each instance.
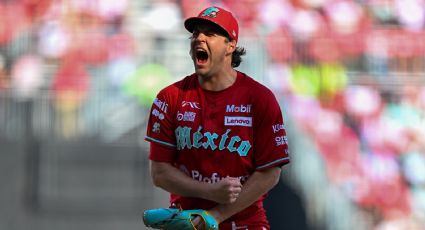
<point>273,162</point>
<point>160,142</point>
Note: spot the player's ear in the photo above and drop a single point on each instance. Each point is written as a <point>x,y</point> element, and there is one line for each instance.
<point>231,46</point>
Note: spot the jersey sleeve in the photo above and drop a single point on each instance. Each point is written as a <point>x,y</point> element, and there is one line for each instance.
<point>160,127</point>
<point>270,140</point>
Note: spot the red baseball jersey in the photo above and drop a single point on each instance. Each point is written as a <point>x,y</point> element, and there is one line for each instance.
<point>233,132</point>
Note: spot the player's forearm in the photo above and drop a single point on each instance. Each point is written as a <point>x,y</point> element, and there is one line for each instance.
<point>172,180</point>
<point>258,184</point>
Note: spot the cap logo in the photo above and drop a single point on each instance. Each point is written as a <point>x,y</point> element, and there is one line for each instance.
<point>210,12</point>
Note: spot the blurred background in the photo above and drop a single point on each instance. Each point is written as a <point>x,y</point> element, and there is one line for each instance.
<point>77,78</point>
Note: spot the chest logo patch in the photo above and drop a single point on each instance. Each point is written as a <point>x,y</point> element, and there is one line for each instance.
<point>238,121</point>
<point>191,104</point>
<point>186,116</point>
<point>238,108</point>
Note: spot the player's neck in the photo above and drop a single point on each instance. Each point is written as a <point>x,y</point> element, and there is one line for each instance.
<point>219,81</point>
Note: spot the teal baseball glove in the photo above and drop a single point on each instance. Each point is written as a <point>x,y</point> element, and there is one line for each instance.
<point>177,219</point>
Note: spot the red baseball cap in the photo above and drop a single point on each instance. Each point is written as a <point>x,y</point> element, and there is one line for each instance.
<point>218,16</point>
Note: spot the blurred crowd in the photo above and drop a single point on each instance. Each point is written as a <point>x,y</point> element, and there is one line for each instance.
<point>67,33</point>
<point>372,143</point>
<point>378,37</point>
<point>351,72</point>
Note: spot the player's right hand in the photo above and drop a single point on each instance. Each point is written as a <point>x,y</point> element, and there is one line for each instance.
<point>226,191</point>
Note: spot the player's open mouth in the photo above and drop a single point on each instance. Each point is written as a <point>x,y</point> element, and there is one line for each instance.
<point>201,56</point>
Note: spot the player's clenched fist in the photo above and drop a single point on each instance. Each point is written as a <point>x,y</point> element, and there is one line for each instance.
<point>226,190</point>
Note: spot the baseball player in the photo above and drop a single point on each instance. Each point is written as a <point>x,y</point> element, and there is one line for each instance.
<point>217,137</point>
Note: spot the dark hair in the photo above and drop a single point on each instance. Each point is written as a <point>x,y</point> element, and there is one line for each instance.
<point>237,56</point>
